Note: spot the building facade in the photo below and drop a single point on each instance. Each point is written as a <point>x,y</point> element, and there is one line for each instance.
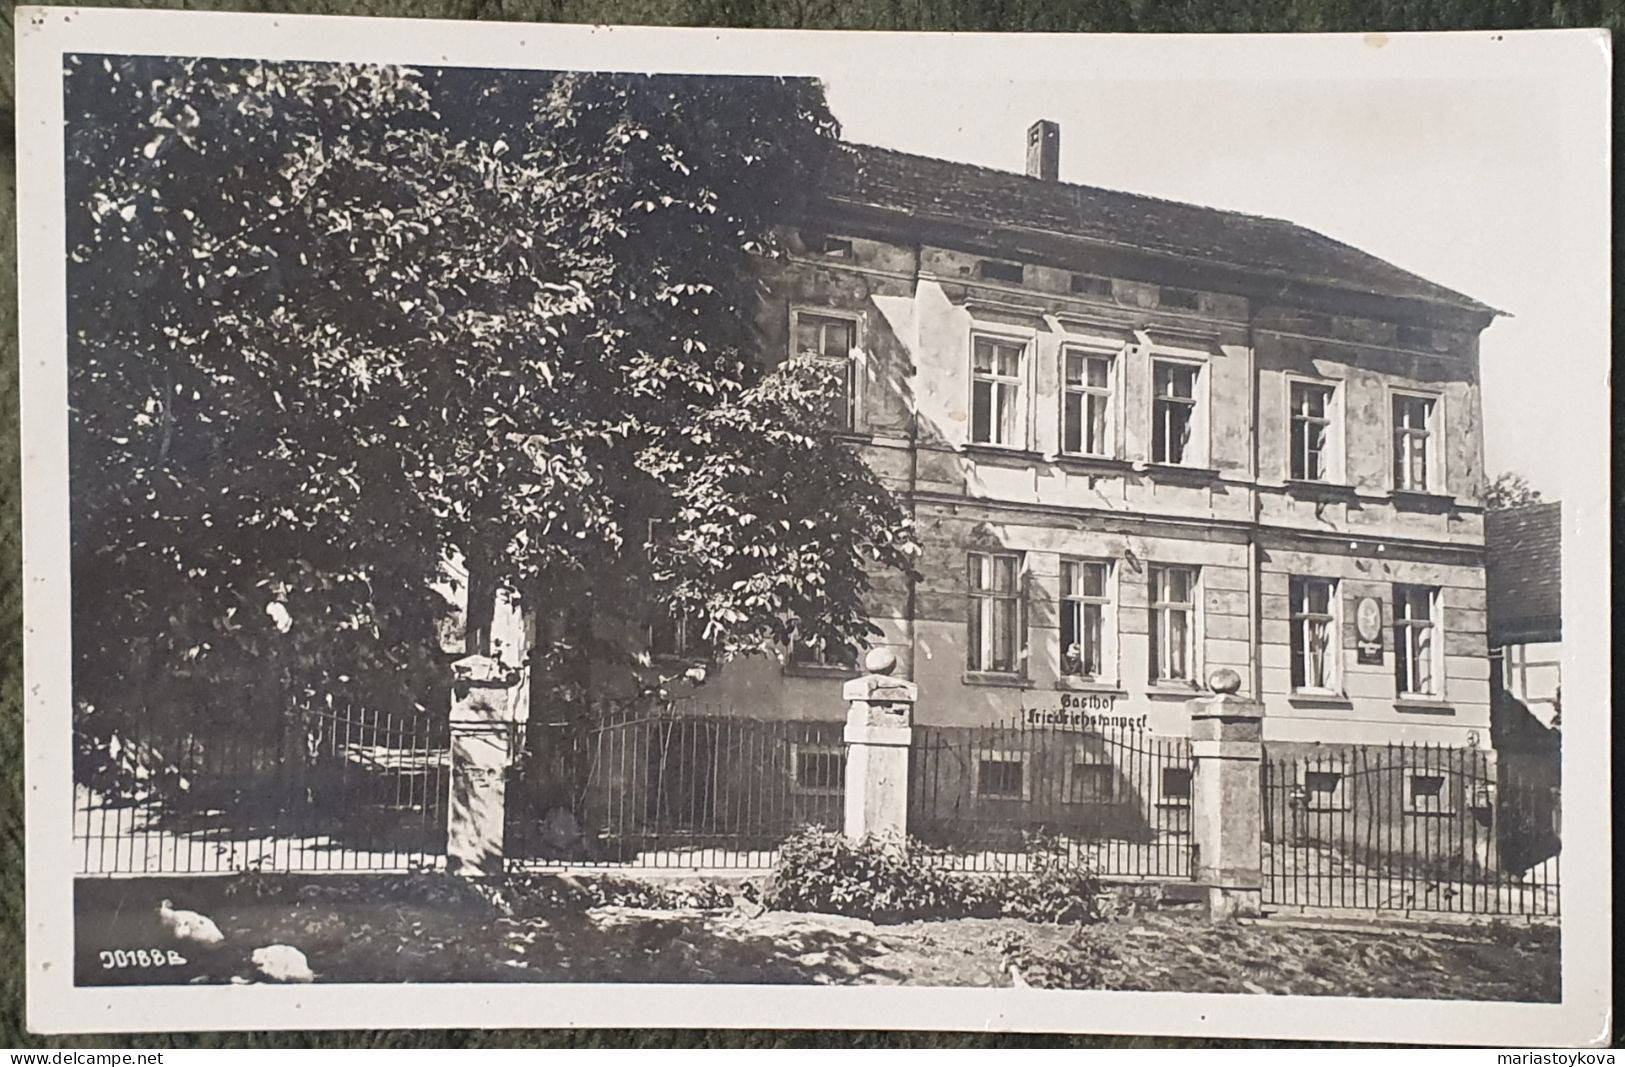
<point>1142,441</point>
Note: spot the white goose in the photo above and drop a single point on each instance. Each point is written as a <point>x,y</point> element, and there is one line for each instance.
<point>283,963</point>
<point>189,925</point>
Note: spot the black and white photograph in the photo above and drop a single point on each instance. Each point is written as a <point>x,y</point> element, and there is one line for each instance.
<point>758,528</point>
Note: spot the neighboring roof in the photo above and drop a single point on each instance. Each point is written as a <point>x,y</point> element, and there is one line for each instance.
<point>921,185</point>
<point>1524,573</point>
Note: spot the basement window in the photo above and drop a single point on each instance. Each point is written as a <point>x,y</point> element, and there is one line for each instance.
<point>1000,776</point>
<point>818,770</point>
<point>994,271</point>
<point>1090,781</point>
<point>1427,793</point>
<point>1182,299</point>
<point>1176,786</point>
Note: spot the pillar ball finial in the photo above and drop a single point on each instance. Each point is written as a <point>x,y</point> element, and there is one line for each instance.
<point>880,661</point>
<point>1224,681</point>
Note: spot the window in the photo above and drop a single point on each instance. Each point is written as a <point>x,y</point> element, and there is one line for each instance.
<point>1085,627</point>
<point>1427,793</point>
<point>833,340</point>
<point>1183,299</point>
<point>1173,624</point>
<point>1000,776</point>
<point>1413,443</point>
<point>1314,635</point>
<point>1416,640</point>
<point>817,769</point>
<point>1175,787</point>
<point>1311,432</point>
<point>1173,411</point>
<point>994,638</point>
<point>1323,789</point>
<point>671,634</point>
<point>1091,285</point>
<point>996,392</point>
<point>824,245</point>
<point>806,654</point>
<point>1090,781</point>
<point>995,271</point>
<point>1086,402</point>
<point>670,637</point>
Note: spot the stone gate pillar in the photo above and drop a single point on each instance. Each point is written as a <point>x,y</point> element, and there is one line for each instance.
<point>1227,752</point>
<point>481,751</point>
<point>879,729</point>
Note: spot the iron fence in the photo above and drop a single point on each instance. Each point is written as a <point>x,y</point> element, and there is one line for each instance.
<point>201,790</point>
<point>688,786</point>
<point>1408,828</point>
<point>992,797</point>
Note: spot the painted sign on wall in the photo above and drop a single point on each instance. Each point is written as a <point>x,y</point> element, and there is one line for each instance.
<point>1368,631</point>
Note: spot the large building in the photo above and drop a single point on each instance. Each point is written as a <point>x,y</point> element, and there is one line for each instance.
<point>1143,440</point>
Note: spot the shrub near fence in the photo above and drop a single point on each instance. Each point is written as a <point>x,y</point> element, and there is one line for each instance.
<point>311,789</point>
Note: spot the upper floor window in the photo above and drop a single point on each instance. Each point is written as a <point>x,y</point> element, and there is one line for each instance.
<point>833,339</point>
<point>1314,635</point>
<point>996,400</point>
<point>835,247</point>
<point>1086,625</point>
<point>1416,640</point>
<point>1312,426</point>
<point>1173,624</point>
<point>1174,412</point>
<point>1413,443</point>
<point>1086,404</point>
<point>993,638</point>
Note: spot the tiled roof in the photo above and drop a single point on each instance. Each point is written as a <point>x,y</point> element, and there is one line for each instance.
<point>923,186</point>
<point>1524,573</point>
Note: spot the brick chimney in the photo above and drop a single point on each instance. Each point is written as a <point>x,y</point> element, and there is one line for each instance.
<point>1044,150</point>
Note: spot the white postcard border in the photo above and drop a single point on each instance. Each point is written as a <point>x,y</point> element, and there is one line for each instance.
<point>1580,59</point>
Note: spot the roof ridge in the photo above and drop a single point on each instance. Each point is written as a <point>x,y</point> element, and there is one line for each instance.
<point>1058,183</point>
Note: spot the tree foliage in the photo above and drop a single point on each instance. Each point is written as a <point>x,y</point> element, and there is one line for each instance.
<point>1510,490</point>
<point>331,324</point>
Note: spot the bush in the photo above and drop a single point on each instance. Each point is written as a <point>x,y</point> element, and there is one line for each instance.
<point>820,870</point>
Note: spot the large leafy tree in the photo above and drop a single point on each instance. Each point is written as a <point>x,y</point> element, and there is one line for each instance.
<point>330,325</point>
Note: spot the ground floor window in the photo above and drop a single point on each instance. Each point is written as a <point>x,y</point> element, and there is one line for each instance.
<point>1416,640</point>
<point>1314,635</point>
<point>994,623</point>
<point>1085,618</point>
<point>1173,624</point>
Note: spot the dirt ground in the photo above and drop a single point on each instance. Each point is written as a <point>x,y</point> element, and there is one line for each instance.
<point>435,929</point>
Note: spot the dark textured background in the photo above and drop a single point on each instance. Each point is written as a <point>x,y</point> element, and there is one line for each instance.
<point>1092,16</point>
